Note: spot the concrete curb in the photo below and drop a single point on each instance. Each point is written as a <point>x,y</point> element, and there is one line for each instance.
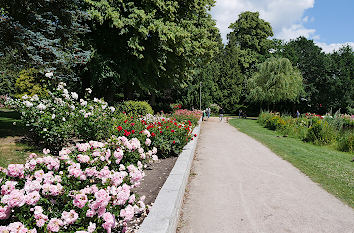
<point>163,216</point>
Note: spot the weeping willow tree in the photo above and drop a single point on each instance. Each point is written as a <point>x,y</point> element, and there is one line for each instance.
<point>275,80</point>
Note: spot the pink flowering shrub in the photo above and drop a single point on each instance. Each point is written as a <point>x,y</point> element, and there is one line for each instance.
<point>85,189</point>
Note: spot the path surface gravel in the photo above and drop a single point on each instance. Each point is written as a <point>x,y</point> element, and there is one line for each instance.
<point>239,185</point>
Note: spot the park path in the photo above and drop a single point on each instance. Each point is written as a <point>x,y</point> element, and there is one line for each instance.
<point>239,185</point>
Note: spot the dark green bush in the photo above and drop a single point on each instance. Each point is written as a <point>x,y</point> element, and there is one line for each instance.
<point>135,108</point>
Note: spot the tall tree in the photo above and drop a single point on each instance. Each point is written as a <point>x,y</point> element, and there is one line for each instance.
<point>275,81</point>
<point>248,45</point>
<point>341,80</point>
<point>44,34</point>
<point>315,69</point>
<point>146,47</point>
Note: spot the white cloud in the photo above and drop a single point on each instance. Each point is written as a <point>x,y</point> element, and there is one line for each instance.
<point>286,17</point>
<point>283,15</point>
<point>329,48</point>
<point>295,31</point>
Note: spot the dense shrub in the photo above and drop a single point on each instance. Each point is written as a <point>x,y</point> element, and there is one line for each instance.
<point>30,82</point>
<point>345,142</point>
<point>337,129</point>
<point>214,108</point>
<point>320,132</point>
<point>54,119</point>
<point>135,108</point>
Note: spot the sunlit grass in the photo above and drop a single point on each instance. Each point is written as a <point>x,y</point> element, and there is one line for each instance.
<point>332,169</point>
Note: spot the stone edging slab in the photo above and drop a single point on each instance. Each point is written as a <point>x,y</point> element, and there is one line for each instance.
<point>164,214</point>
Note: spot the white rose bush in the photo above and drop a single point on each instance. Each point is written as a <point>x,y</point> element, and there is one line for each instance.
<point>61,115</point>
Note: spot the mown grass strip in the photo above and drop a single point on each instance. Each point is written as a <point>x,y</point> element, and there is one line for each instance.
<point>332,169</point>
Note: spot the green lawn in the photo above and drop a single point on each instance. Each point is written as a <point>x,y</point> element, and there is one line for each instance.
<point>12,147</point>
<point>332,169</point>
<point>7,127</point>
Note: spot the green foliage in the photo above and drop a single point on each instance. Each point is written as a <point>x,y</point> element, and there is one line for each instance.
<point>314,67</point>
<point>341,83</point>
<point>8,73</point>
<point>251,33</point>
<point>145,47</point>
<point>345,142</point>
<point>30,82</point>
<point>320,132</point>
<point>44,34</point>
<point>247,46</point>
<point>313,128</point>
<point>275,81</point>
<point>135,108</point>
<point>214,108</point>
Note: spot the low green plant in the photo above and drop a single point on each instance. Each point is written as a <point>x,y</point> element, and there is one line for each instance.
<point>30,82</point>
<point>320,132</point>
<point>345,142</point>
<point>135,108</point>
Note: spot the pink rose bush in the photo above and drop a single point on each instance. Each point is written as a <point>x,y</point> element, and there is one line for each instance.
<point>87,188</point>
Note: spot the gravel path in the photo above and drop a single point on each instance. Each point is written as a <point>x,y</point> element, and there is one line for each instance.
<point>239,185</point>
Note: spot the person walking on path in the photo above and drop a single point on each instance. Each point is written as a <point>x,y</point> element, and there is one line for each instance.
<point>208,112</point>
<point>241,186</point>
<point>240,113</point>
<point>297,114</point>
<point>221,114</point>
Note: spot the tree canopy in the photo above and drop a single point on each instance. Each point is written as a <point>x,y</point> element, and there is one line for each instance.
<point>275,81</point>
<point>148,46</point>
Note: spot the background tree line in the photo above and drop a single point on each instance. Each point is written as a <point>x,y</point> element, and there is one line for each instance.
<point>161,51</point>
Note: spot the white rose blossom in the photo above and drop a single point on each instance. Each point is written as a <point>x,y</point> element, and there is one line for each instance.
<point>28,104</point>
<point>41,107</point>
<point>74,95</point>
<point>49,74</point>
<point>89,90</point>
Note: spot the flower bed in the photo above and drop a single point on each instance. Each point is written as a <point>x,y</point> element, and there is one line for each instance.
<point>87,188</point>
<point>336,130</point>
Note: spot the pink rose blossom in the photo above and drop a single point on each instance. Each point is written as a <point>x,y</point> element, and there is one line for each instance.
<point>54,225</point>
<point>80,200</point>
<point>127,213</point>
<point>109,221</point>
<point>16,170</point>
<point>69,217</point>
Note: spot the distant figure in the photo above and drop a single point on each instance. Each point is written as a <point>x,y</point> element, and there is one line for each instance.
<point>208,112</point>
<point>297,114</point>
<point>240,113</point>
<point>221,114</point>
<point>204,115</point>
<point>244,115</point>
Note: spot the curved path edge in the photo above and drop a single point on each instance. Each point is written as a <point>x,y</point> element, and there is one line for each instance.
<point>164,214</point>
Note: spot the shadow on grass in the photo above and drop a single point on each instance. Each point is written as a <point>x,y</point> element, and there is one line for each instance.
<point>10,124</point>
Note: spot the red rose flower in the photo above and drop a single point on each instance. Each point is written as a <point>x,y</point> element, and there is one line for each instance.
<point>133,131</point>
<point>132,124</point>
<point>172,131</point>
<point>153,134</point>
<point>174,142</point>
<point>120,128</point>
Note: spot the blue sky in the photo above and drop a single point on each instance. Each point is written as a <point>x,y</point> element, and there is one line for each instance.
<point>330,23</point>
